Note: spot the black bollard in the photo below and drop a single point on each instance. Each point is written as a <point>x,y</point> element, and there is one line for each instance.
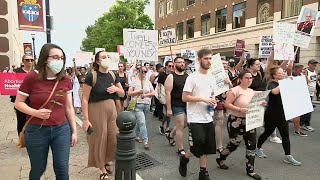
<point>126,151</point>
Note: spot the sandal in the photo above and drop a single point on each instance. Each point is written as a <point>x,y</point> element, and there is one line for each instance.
<point>221,165</point>
<point>138,140</point>
<point>108,168</point>
<point>179,152</point>
<point>146,146</point>
<point>171,140</point>
<point>104,176</point>
<point>254,176</point>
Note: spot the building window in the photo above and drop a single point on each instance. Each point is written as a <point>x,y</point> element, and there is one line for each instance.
<point>161,9</point>
<point>239,19</point>
<point>179,31</point>
<point>205,24</point>
<point>169,7</point>
<point>190,28</point>
<point>179,4</point>
<point>221,20</point>
<point>265,11</point>
<point>191,2</point>
<point>292,7</point>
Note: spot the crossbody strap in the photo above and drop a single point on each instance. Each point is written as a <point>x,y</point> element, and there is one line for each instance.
<point>44,104</point>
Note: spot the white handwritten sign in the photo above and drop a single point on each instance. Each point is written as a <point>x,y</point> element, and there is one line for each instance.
<point>167,37</point>
<point>283,51</point>
<point>265,46</point>
<point>295,97</point>
<point>140,44</point>
<point>83,58</point>
<point>219,74</point>
<point>283,32</point>
<point>190,53</point>
<point>255,114</point>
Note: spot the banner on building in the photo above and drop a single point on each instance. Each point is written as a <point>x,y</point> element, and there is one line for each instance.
<point>30,15</point>
<point>168,37</point>
<point>305,27</point>
<point>27,49</point>
<point>10,83</point>
<point>255,114</point>
<point>238,50</point>
<point>265,46</point>
<point>140,44</point>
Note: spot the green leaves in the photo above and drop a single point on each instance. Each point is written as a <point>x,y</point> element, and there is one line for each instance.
<point>107,32</point>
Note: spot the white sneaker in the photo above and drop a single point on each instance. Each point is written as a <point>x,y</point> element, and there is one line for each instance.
<point>308,128</point>
<point>275,140</point>
<point>290,160</point>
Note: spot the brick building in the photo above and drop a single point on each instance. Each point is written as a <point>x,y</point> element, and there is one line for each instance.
<point>217,24</point>
<point>11,47</point>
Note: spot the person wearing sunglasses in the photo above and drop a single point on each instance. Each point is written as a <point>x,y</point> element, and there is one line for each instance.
<point>27,61</point>
<point>142,91</point>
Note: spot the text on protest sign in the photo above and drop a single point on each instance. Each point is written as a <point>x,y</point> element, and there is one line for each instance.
<point>140,44</point>
<point>10,83</point>
<point>283,51</point>
<point>295,97</point>
<point>255,114</point>
<point>190,53</point>
<point>265,46</point>
<point>219,74</point>
<point>238,50</point>
<point>283,32</point>
<point>167,37</point>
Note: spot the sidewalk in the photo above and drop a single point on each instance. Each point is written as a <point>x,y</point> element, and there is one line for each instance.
<point>14,162</point>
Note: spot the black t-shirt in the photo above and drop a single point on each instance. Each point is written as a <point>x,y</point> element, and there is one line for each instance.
<point>99,91</point>
<point>275,103</point>
<point>258,83</point>
<point>162,77</point>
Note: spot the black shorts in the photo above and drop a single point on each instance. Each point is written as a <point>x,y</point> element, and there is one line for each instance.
<point>202,139</point>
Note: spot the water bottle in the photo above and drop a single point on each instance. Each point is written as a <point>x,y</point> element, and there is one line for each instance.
<point>210,109</point>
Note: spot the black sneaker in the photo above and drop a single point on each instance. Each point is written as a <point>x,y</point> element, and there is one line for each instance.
<point>161,130</point>
<point>183,166</point>
<point>204,176</point>
<point>300,134</point>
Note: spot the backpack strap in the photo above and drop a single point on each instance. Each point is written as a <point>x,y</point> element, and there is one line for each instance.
<point>94,78</point>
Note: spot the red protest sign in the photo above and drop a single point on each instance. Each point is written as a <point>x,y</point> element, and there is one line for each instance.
<point>240,45</point>
<point>10,83</point>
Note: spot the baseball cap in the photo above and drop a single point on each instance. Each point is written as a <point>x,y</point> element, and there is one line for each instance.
<point>185,57</point>
<point>312,61</point>
<point>158,66</point>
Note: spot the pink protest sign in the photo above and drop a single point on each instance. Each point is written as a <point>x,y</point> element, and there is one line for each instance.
<point>10,83</point>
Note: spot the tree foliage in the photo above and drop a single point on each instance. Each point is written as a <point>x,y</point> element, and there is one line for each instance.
<point>107,32</point>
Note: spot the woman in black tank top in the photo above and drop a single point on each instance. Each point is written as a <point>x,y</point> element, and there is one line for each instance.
<point>123,79</point>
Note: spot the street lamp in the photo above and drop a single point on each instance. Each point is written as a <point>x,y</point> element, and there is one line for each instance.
<point>34,47</point>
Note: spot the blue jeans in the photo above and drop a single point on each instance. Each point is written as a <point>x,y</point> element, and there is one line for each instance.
<point>38,140</point>
<point>140,113</point>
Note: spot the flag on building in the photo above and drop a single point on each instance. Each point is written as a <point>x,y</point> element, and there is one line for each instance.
<point>30,15</point>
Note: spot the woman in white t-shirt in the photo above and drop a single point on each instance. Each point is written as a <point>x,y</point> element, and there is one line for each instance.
<point>142,90</point>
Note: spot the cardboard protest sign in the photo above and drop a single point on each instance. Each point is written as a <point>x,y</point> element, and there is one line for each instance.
<point>306,24</point>
<point>283,51</point>
<point>140,44</point>
<point>255,114</point>
<point>83,59</point>
<point>295,97</point>
<point>10,83</point>
<point>265,46</point>
<point>283,33</point>
<point>219,74</point>
<point>168,37</point>
<point>190,53</point>
<point>238,50</point>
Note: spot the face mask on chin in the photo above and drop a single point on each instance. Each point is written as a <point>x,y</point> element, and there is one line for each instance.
<point>55,65</point>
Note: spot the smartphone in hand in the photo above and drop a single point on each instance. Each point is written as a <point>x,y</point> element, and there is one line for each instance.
<point>89,130</point>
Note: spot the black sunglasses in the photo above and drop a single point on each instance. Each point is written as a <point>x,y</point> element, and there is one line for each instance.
<point>29,60</point>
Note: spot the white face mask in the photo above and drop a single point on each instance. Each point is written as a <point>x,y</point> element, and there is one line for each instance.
<point>105,62</point>
<point>55,65</point>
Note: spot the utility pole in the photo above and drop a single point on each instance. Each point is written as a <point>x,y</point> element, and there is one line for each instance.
<point>34,46</point>
<point>48,21</point>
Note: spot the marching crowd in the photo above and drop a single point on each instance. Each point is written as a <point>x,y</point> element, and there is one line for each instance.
<point>50,96</point>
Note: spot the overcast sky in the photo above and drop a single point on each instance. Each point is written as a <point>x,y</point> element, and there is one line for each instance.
<point>71,17</point>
